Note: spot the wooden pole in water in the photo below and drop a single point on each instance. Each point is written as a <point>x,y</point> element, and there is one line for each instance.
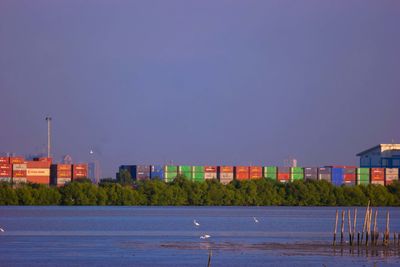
<point>334,230</point>
<point>342,228</point>
<point>354,224</point>
<point>365,222</point>
<point>387,229</point>
<point>209,258</point>
<point>368,230</point>
<point>349,221</point>
<point>375,227</point>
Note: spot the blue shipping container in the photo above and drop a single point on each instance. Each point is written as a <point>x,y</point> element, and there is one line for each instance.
<point>157,172</point>
<point>337,176</point>
<point>130,168</point>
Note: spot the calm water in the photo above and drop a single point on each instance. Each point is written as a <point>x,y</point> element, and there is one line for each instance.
<point>166,236</point>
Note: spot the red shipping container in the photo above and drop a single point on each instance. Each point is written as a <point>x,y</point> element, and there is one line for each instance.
<point>256,172</point>
<point>80,166</point>
<point>19,173</point>
<point>64,167</point>
<point>227,169</point>
<point>17,160</point>
<point>49,160</point>
<point>5,166</point>
<point>38,179</point>
<point>242,176</point>
<point>349,177</point>
<point>283,177</point>
<point>377,174</point>
<point>4,160</point>
<point>210,168</point>
<point>37,164</point>
<point>64,174</point>
<point>5,173</point>
<point>242,169</point>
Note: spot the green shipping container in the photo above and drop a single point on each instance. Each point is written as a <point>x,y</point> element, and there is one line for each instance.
<point>363,171</point>
<point>363,177</point>
<point>170,168</point>
<point>270,172</point>
<point>363,182</point>
<point>297,170</point>
<point>187,175</point>
<point>198,169</point>
<point>184,168</point>
<point>170,176</point>
<point>297,176</point>
<point>198,175</point>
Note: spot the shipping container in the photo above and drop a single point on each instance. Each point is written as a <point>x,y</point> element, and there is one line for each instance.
<point>19,167</point>
<point>283,169</point>
<point>325,174</point>
<point>349,170</point>
<point>170,176</point>
<point>5,179</point>
<point>17,160</point>
<point>210,175</point>
<point>226,169</point>
<point>242,173</point>
<point>256,172</point>
<point>296,173</point>
<point>38,179</point>
<point>283,177</point>
<point>363,182</point>
<point>4,160</point>
<point>45,159</point>
<point>19,173</point>
<point>38,172</point>
<point>184,168</point>
<point>337,176</point>
<point>311,173</point>
<point>197,168</point>
<point>37,164</point>
<point>211,169</point>
<point>170,168</point>
<point>271,172</point>
<point>349,178</point>
<point>142,172</point>
<point>198,176</point>
<point>377,174</point>
<point>226,177</point>
<point>378,182</point>
<point>157,172</point>
<point>5,170</point>
<point>391,175</point>
<point>19,180</point>
<point>80,171</point>
<point>63,167</point>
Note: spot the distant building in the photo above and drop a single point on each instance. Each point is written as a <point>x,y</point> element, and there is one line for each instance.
<point>94,172</point>
<point>381,156</point>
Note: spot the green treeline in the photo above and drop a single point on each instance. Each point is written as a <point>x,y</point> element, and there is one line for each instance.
<point>212,193</point>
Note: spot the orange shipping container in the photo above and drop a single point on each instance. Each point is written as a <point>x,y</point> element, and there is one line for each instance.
<point>38,179</point>
<point>283,177</point>
<point>4,160</point>
<point>5,173</point>
<point>5,166</point>
<point>37,164</point>
<point>80,166</point>
<point>242,176</point>
<point>38,172</point>
<point>377,174</point>
<point>17,160</point>
<point>242,169</point>
<point>64,174</point>
<point>256,172</point>
<point>64,167</point>
<point>49,160</point>
<point>227,169</point>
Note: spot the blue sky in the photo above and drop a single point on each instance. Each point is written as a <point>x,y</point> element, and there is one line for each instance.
<point>200,82</point>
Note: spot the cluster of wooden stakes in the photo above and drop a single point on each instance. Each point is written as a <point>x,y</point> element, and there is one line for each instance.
<point>371,237</point>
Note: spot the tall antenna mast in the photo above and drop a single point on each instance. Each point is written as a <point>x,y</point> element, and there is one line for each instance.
<point>48,119</point>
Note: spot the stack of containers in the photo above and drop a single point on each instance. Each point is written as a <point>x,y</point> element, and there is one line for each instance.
<point>157,172</point>
<point>60,174</point>
<point>186,171</point>
<point>296,173</point>
<point>79,171</point>
<point>349,174</point>
<point>378,176</point>
<point>226,174</point>
<point>19,173</point>
<point>210,172</point>
<point>337,175</point>
<point>142,172</point>
<point>391,175</point>
<point>38,172</point>
<point>270,172</point>
<point>198,174</point>
<point>325,174</point>
<point>170,172</point>
<point>242,173</point>
<point>363,176</point>
<point>283,174</point>
<point>311,173</point>
<point>256,172</point>
<point>5,170</point>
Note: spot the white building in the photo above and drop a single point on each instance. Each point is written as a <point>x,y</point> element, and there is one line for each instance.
<point>383,155</point>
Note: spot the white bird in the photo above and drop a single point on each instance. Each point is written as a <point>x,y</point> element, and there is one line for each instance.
<point>1,230</point>
<point>205,236</point>
<point>91,152</point>
<point>255,219</point>
<point>196,223</point>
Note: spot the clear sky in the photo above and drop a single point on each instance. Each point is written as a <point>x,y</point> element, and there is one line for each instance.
<point>200,82</point>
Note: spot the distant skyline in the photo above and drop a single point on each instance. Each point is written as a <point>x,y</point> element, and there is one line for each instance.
<point>200,82</point>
